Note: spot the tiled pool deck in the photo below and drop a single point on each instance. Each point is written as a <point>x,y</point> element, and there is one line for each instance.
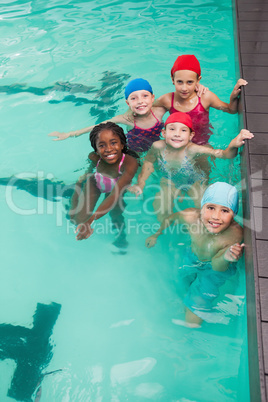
<point>252,21</point>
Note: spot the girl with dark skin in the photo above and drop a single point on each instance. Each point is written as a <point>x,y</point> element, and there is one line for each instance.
<point>115,166</point>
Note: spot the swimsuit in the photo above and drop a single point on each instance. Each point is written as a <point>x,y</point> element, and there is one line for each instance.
<point>141,139</point>
<point>185,176</point>
<point>200,119</point>
<point>104,183</point>
<point>204,282</point>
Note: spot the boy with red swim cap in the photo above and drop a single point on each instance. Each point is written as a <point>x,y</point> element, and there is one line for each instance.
<point>175,157</point>
<point>185,75</point>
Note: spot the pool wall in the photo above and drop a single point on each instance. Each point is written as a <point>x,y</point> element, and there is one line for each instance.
<point>254,321</point>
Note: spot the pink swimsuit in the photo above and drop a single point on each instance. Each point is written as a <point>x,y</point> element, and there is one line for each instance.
<point>104,183</point>
<point>200,119</point>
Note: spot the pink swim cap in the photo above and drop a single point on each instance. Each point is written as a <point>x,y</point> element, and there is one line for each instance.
<point>180,117</point>
<point>186,62</point>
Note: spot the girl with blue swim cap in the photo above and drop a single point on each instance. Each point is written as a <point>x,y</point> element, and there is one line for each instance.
<point>215,248</point>
<point>143,120</point>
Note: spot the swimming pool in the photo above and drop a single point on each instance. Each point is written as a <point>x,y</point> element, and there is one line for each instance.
<point>104,322</point>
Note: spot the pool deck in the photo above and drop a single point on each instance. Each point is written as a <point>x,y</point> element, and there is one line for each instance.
<point>252,24</point>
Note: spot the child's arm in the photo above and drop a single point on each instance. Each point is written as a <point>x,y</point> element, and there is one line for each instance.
<point>84,230</point>
<point>122,118</point>
<point>220,262</point>
<point>231,151</point>
<point>146,171</point>
<point>151,240</point>
<point>228,153</point>
<point>188,215</point>
<point>210,99</point>
<point>231,250</point>
<point>163,101</point>
<point>233,104</point>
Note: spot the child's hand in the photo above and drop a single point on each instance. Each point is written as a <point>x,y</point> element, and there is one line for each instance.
<point>84,231</point>
<point>239,141</point>
<point>234,252</point>
<point>201,90</point>
<point>237,87</point>
<point>150,241</point>
<point>135,189</point>
<point>61,136</point>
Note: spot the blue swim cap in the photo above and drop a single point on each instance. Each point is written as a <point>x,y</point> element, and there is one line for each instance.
<point>137,85</point>
<point>221,193</point>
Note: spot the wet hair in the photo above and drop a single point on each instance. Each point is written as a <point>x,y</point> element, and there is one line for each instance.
<point>117,130</point>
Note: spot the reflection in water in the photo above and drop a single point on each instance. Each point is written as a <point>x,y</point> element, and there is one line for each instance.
<point>30,349</point>
<point>149,390</point>
<point>123,372</point>
<point>38,392</point>
<point>54,190</point>
<point>112,84</point>
<point>51,190</point>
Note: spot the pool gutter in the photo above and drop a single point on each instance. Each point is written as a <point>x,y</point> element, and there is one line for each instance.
<point>257,381</point>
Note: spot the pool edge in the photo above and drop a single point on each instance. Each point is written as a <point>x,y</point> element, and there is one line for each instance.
<point>257,381</point>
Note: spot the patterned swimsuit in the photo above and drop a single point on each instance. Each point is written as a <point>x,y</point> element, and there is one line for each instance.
<point>140,139</point>
<point>185,176</point>
<point>104,183</point>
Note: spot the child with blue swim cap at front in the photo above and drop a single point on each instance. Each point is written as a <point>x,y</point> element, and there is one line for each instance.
<point>215,247</point>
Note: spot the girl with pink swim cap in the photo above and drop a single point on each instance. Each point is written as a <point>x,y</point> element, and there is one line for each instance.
<point>176,158</point>
<point>186,75</point>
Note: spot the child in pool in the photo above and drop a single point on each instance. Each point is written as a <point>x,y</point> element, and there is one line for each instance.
<point>175,156</point>
<point>215,247</point>
<point>185,75</point>
<point>115,166</point>
<point>143,120</point>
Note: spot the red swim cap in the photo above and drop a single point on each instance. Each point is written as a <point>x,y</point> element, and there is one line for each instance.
<point>186,62</point>
<point>180,117</point>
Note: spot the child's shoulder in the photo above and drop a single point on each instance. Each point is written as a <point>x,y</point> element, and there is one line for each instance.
<point>168,95</point>
<point>164,101</point>
<point>130,160</point>
<point>129,157</point>
<point>207,98</point>
<point>158,145</point>
<point>192,148</point>
<point>127,117</point>
<point>236,231</point>
<point>159,111</point>
<point>191,215</point>
<point>93,156</point>
<point>233,234</point>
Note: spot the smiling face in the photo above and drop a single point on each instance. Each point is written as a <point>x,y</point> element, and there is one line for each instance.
<point>177,135</point>
<point>109,146</point>
<point>140,102</point>
<point>216,218</point>
<point>185,82</point>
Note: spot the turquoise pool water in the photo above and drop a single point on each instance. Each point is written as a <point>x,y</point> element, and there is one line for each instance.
<point>104,323</point>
